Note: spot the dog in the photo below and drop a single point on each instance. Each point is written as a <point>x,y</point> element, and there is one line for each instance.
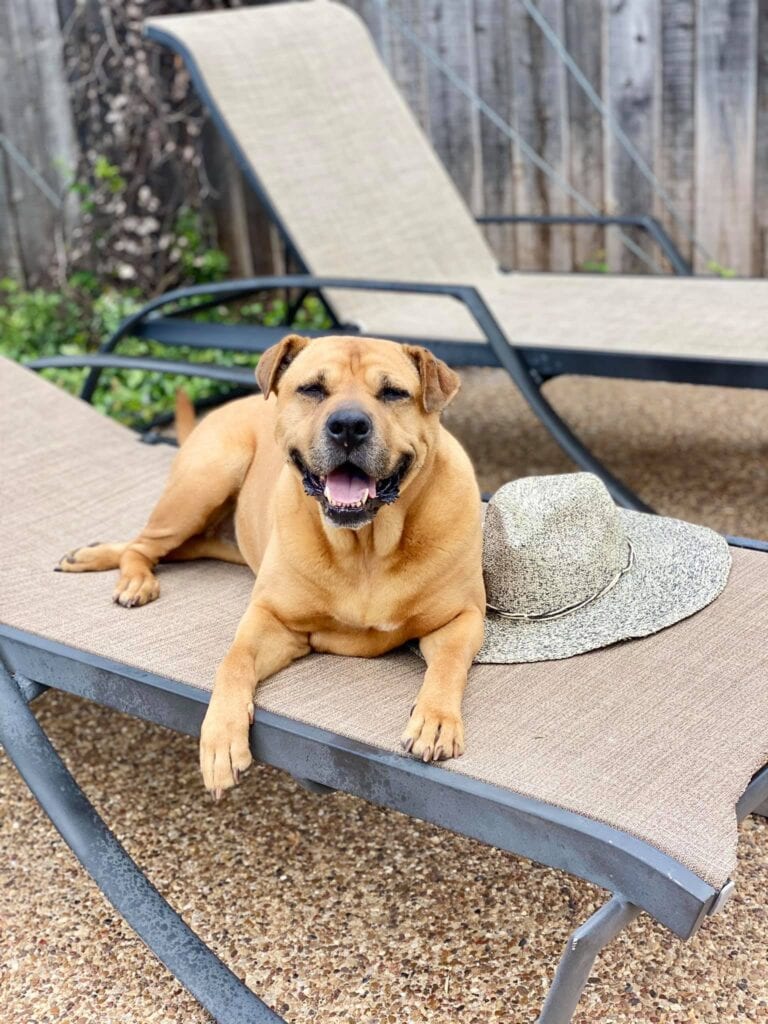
<point>356,509</point>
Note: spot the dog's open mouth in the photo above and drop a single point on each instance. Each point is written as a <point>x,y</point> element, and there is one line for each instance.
<point>348,495</point>
<point>348,487</point>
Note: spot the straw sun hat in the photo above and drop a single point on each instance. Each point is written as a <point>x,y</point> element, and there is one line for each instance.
<point>566,571</point>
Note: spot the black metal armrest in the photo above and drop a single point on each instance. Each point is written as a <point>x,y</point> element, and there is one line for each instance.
<point>506,353</point>
<point>213,294</point>
<point>239,375</point>
<point>642,221</point>
<point>155,311</point>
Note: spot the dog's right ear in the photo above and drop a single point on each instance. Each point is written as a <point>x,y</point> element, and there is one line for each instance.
<point>276,360</point>
<point>439,383</point>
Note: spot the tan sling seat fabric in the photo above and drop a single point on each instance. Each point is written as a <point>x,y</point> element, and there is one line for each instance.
<point>658,737</point>
<point>362,194</point>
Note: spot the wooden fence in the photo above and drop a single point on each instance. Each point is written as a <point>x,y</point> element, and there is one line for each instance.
<point>685,81</point>
<point>37,141</point>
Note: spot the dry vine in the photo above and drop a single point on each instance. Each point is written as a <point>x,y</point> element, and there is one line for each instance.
<point>139,127</point>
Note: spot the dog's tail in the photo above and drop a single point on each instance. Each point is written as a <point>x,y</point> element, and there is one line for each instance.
<point>184,416</point>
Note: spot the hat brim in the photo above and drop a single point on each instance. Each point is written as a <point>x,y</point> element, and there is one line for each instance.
<point>679,569</point>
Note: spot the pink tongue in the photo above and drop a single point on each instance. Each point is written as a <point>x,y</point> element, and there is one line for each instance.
<point>345,489</point>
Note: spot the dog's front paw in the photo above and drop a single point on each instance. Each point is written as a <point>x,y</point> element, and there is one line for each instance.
<point>136,589</point>
<point>225,751</point>
<point>94,557</point>
<point>433,733</point>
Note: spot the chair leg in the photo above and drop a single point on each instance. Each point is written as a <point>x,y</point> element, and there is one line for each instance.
<point>528,384</point>
<point>196,966</point>
<point>576,962</point>
<point>754,799</point>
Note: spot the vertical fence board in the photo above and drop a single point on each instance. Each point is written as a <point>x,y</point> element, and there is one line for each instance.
<point>540,106</point>
<point>494,75</point>
<point>584,40</point>
<point>675,155</point>
<point>531,242</point>
<point>406,63</point>
<point>552,88</point>
<point>725,130</point>
<point>760,260</point>
<point>227,203</point>
<point>35,116</point>
<point>630,56</point>
<point>10,256</point>
<point>454,120</point>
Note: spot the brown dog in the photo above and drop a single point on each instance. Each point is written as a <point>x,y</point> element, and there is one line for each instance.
<point>358,511</point>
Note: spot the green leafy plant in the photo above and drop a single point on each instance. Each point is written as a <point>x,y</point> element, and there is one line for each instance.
<point>197,263</point>
<point>596,264</point>
<point>37,322</point>
<point>717,268</point>
<point>108,174</point>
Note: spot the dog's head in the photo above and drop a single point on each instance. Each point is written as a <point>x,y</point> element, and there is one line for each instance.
<point>356,417</point>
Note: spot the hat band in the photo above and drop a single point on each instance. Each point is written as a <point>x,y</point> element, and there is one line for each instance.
<point>544,616</point>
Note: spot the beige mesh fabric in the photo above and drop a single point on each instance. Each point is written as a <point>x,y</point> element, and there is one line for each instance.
<point>334,145</point>
<point>657,737</point>
<point>363,194</point>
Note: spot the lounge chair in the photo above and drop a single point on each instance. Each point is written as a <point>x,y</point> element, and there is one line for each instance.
<point>299,93</point>
<point>639,792</point>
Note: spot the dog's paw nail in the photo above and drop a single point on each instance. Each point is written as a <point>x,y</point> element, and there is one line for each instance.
<point>439,754</point>
<point>413,708</point>
<point>236,774</point>
<point>250,713</point>
<point>427,755</point>
<point>57,568</point>
<point>70,560</point>
<point>217,795</point>
<point>94,544</point>
<point>407,744</point>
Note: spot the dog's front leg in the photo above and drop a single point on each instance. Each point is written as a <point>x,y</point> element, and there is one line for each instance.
<point>263,645</point>
<point>435,730</point>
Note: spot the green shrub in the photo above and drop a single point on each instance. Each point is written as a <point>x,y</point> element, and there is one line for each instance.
<point>38,323</point>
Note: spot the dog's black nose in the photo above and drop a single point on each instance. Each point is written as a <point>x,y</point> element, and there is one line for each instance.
<point>349,426</point>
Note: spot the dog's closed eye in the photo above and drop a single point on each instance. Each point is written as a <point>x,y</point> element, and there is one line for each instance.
<point>391,393</point>
<point>314,389</point>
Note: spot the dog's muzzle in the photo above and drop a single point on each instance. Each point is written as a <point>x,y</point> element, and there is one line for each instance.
<point>349,495</point>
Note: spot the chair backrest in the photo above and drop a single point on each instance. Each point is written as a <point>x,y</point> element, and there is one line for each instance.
<point>300,91</point>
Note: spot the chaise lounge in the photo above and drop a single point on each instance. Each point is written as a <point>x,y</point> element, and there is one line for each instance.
<point>639,793</point>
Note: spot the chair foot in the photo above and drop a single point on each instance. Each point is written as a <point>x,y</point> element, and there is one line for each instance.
<point>579,955</point>
<point>196,966</point>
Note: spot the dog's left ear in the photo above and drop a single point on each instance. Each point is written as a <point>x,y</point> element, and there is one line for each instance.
<point>439,384</point>
<point>276,360</point>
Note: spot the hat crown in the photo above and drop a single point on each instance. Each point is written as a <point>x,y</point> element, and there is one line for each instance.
<point>551,543</point>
